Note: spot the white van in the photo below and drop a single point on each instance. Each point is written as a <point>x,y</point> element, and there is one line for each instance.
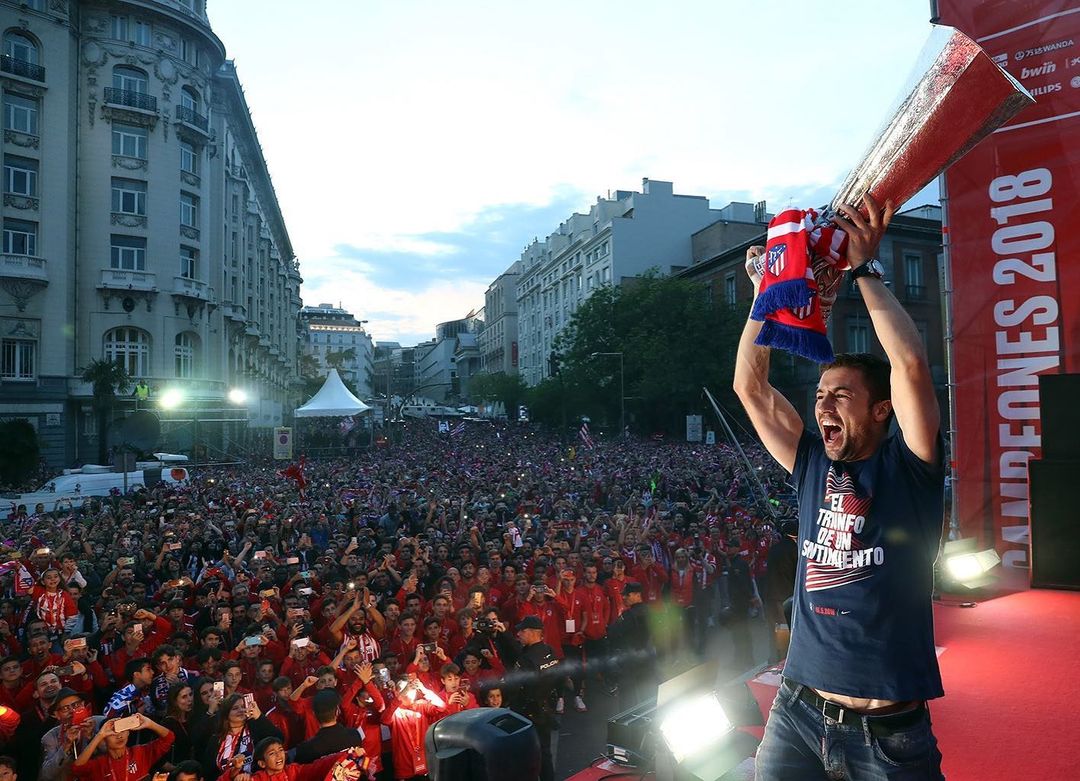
<point>74,485</point>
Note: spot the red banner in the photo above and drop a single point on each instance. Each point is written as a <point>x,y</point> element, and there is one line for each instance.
<point>1014,245</point>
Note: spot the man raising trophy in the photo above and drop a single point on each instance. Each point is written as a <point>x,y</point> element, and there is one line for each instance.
<point>861,664</point>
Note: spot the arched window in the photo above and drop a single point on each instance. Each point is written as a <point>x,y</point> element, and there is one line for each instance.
<point>186,352</point>
<point>21,47</point>
<point>129,347</point>
<point>189,99</point>
<point>130,79</point>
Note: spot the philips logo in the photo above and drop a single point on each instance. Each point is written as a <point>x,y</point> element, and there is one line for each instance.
<point>1046,89</point>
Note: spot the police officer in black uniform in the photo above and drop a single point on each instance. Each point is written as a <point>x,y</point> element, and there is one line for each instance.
<point>533,677</point>
<point>633,656</point>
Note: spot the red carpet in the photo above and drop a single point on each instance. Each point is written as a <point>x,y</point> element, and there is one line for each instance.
<point>1010,669</point>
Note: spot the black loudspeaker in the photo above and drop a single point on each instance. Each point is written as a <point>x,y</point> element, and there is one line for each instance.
<point>483,744</point>
<point>1055,524</point>
<point>141,431</point>
<point>1059,403</point>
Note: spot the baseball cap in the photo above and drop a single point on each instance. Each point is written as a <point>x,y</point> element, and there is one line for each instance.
<point>64,694</point>
<point>529,622</point>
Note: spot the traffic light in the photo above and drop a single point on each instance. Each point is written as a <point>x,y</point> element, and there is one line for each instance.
<point>455,385</point>
<point>553,364</point>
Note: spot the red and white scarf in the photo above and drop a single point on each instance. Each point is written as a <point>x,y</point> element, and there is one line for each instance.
<point>805,257</point>
<point>235,745</point>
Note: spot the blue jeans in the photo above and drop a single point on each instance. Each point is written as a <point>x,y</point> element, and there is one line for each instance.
<point>800,744</point>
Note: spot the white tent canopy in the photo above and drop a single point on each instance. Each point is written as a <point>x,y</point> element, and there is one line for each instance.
<point>333,400</point>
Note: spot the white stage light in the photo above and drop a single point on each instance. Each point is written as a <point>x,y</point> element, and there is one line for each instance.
<point>694,725</point>
<point>969,569</point>
<point>171,398</point>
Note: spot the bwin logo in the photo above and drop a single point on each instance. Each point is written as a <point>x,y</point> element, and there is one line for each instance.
<point>1043,70</point>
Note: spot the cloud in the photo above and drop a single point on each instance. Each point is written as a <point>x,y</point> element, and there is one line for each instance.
<point>404,285</point>
<point>480,250</point>
<point>419,165</point>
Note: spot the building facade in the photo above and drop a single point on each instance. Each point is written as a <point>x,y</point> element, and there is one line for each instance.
<point>140,226</point>
<point>393,367</point>
<point>336,339</point>
<point>499,339</point>
<point>435,361</point>
<point>911,252</point>
<point>620,238</point>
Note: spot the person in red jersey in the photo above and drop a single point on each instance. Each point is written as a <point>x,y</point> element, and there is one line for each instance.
<point>121,761</point>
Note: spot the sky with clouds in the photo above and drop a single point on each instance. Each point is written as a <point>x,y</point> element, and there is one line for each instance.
<point>417,146</point>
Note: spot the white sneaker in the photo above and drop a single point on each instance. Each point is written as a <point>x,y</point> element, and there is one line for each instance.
<point>560,706</point>
<point>580,705</point>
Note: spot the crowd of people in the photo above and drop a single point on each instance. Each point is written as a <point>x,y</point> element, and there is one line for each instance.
<point>263,623</point>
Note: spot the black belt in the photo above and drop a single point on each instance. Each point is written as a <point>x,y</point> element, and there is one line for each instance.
<point>879,726</point>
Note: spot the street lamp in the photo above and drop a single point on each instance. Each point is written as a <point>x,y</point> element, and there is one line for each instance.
<point>622,390</point>
<point>238,396</point>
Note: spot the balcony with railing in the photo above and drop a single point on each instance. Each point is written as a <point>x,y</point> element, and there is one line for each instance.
<point>192,118</point>
<point>130,99</point>
<point>186,287</point>
<point>27,268</point>
<point>916,292</point>
<point>235,312</point>
<point>17,67</point>
<point>123,279</point>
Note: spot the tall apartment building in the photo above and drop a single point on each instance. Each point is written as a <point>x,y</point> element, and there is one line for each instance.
<point>620,238</point>
<point>140,224</point>
<point>335,338</point>
<point>499,339</point>
<point>393,368</point>
<point>435,366</point>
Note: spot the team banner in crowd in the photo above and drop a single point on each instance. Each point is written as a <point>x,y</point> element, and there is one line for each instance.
<point>282,443</point>
<point>1014,243</point>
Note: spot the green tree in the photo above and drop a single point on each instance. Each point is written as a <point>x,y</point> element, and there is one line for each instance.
<point>509,389</point>
<point>673,341</point>
<point>107,378</point>
<point>337,359</point>
<point>310,377</point>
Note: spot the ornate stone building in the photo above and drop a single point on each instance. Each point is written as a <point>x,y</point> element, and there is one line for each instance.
<point>140,225</point>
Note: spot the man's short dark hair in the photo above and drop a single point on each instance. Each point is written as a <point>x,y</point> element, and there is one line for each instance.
<point>874,370</point>
<point>162,650</point>
<point>135,666</point>
<point>325,705</point>
<point>189,767</point>
<point>208,653</point>
<point>9,763</point>
<point>263,746</point>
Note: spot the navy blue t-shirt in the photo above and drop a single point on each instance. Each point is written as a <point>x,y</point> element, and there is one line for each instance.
<point>869,531</point>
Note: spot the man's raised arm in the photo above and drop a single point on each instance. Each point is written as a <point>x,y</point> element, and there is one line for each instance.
<point>913,397</point>
<point>773,417</point>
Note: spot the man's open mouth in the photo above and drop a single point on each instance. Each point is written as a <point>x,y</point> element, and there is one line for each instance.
<point>830,432</point>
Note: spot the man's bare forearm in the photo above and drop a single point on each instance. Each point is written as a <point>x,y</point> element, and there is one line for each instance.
<point>751,361</point>
<point>893,326</point>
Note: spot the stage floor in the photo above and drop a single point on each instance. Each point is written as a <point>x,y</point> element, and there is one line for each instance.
<point>1011,670</point>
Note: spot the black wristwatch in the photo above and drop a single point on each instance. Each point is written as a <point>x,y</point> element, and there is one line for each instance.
<point>871,268</point>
